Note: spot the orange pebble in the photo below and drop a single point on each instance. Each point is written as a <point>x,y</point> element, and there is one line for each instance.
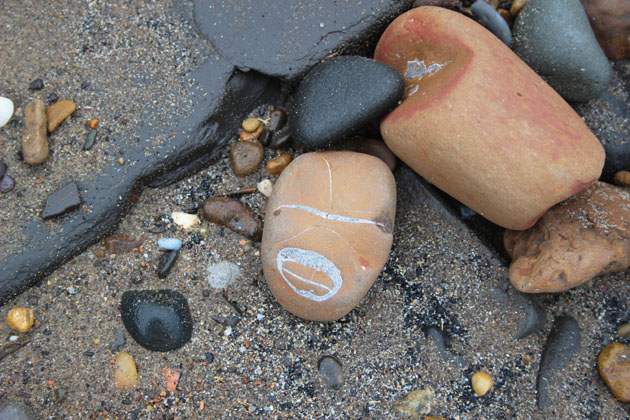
<point>254,135</point>
<point>93,123</point>
<point>277,164</point>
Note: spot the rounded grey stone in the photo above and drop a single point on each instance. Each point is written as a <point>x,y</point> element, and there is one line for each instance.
<point>223,274</point>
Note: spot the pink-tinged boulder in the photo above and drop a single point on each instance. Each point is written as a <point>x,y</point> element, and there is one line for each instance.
<point>583,237</point>
<point>328,232</point>
<point>481,125</point>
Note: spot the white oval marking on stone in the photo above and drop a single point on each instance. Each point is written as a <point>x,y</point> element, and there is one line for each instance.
<point>315,261</point>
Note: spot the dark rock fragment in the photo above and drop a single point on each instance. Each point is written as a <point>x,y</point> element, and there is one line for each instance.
<point>331,372</point>
<point>166,263</point>
<point>61,201</point>
<point>37,84</point>
<point>535,319</point>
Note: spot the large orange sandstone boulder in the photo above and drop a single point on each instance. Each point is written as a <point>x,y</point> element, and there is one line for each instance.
<point>481,125</point>
<point>328,232</point>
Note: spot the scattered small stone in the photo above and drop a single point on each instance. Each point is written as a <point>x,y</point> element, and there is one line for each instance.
<point>331,372</point>
<point>158,320</point>
<point>170,244</point>
<point>184,220</point>
<point>622,178</point>
<point>223,274</point>
<point>85,84</point>
<point>7,183</point>
<point>624,330</point>
<point>492,20</point>
<point>34,136</point>
<point>125,372</point>
<point>90,140</point>
<point>61,201</point>
<point>377,149</point>
<point>13,411</point>
<point>276,165</point>
<point>254,135</point>
<point>416,404</point>
<point>158,228</point>
<point>166,263</point>
<point>6,110</point>
<point>261,110</point>
<point>209,357</point>
<point>60,394</point>
<point>171,377</point>
<point>93,123</point>
<point>121,161</point>
<point>517,6</point>
<point>21,319</point>
<point>52,98</point>
<point>481,383</point>
<point>613,364</point>
<point>265,187</point>
<point>251,124</point>
<point>122,244</point>
<point>58,112</point>
<point>37,84</point>
<point>232,214</point>
<point>277,119</point>
<point>246,156</point>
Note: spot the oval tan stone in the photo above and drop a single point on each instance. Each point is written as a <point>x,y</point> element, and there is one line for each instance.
<point>34,136</point>
<point>328,232</point>
<point>125,372</point>
<point>502,142</point>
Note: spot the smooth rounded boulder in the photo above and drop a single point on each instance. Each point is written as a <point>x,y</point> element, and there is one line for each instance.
<point>328,232</point>
<point>481,125</point>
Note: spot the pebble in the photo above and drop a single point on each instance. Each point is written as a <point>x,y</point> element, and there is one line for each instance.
<point>37,84</point>
<point>492,20</point>
<point>223,274</point>
<point>60,394</point>
<point>339,96</point>
<point>122,244</point>
<point>331,372</point>
<point>277,119</point>
<point>58,112</point>
<point>125,372</point>
<point>233,214</point>
<point>610,20</point>
<point>13,411</point>
<point>417,403</point>
<point>276,165</point>
<point>21,319</point>
<point>517,6</point>
<point>583,237</point>
<point>166,263</point>
<point>7,183</point>
<point>554,37</point>
<point>442,106</point>
<point>481,383</point>
<point>158,320</point>
<point>34,136</point>
<point>52,98</point>
<point>377,149</point>
<point>93,123</point>
<point>170,244</point>
<point>562,345</point>
<point>184,220</point>
<point>328,232</point>
<point>250,124</point>
<point>265,187</point>
<point>624,330</point>
<point>613,364</point>
<point>254,135</point>
<point>246,157</point>
<point>90,140</point>
<point>6,110</point>
<point>281,138</point>
<point>62,201</point>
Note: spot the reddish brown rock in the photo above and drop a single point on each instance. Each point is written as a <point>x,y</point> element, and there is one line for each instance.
<point>613,364</point>
<point>34,136</point>
<point>583,237</point>
<point>276,165</point>
<point>610,20</point>
<point>328,232</point>
<point>122,244</point>
<point>503,143</point>
<point>232,214</point>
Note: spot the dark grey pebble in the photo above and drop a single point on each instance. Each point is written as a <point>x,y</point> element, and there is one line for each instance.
<point>492,20</point>
<point>119,341</point>
<point>281,138</point>
<point>62,200</point>
<point>339,96</point>
<point>37,84</point>
<point>277,119</point>
<point>331,372</point>
<point>554,37</point>
<point>535,319</point>
<point>3,168</point>
<point>158,320</point>
<point>166,263</point>
<point>85,85</point>
<point>14,411</point>
<point>90,140</point>
<point>7,183</point>
<point>209,357</point>
<point>562,345</point>
<point>52,98</point>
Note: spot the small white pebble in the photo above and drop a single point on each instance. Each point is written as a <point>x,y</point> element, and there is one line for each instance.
<point>228,331</point>
<point>13,338</point>
<point>6,110</point>
<point>265,187</point>
<point>185,220</point>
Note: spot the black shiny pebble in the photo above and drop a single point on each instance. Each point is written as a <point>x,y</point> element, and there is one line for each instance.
<point>492,20</point>
<point>37,84</point>
<point>159,320</point>
<point>331,372</point>
<point>536,317</point>
<point>62,200</point>
<point>3,169</point>
<point>166,263</point>
<point>52,98</point>
<point>562,345</point>
<point>7,183</point>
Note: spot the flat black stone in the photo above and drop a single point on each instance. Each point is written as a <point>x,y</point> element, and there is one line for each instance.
<point>61,201</point>
<point>159,320</point>
<point>166,263</point>
<point>37,84</point>
<point>340,96</point>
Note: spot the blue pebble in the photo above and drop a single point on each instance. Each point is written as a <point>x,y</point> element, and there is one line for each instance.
<point>492,20</point>
<point>171,244</point>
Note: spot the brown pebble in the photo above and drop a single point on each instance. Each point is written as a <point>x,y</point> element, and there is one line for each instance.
<point>34,137</point>
<point>276,165</point>
<point>613,364</point>
<point>622,178</point>
<point>277,119</point>
<point>21,319</point>
<point>254,135</point>
<point>246,156</point>
<point>93,123</point>
<point>251,124</point>
<point>505,14</point>
<point>121,244</point>
<point>516,7</point>
<point>232,214</point>
<point>58,112</point>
